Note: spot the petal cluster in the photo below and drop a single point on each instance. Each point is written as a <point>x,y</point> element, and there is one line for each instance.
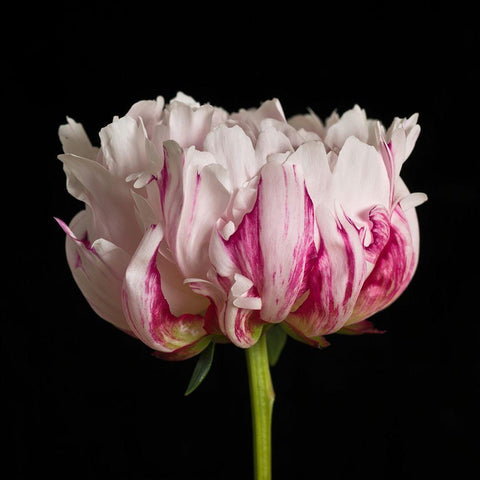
<point>202,225</point>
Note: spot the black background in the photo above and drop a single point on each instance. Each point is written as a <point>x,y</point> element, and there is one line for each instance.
<point>83,400</point>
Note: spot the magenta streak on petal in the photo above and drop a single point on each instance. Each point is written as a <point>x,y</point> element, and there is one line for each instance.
<point>244,249</point>
<point>350,262</point>
<point>391,169</point>
<point>380,231</point>
<point>331,297</point>
<point>304,253</point>
<point>393,271</point>
<point>147,308</point>
<point>192,210</point>
<point>83,241</point>
<point>161,321</point>
<point>163,182</point>
<point>287,213</point>
<point>154,296</point>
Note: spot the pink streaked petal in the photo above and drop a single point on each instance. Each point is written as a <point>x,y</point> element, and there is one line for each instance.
<point>335,279</point>
<point>217,295</point>
<point>379,232</point>
<point>286,239</point>
<point>145,306</point>
<point>393,270</point>
<point>271,251</point>
<point>98,269</point>
<point>242,326</point>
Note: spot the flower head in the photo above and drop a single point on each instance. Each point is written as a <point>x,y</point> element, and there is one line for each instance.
<point>200,224</point>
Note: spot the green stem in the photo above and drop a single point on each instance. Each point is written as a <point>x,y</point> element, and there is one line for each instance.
<point>262,397</point>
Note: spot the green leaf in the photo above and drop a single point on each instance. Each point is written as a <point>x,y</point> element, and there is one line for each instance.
<point>276,339</point>
<point>201,368</point>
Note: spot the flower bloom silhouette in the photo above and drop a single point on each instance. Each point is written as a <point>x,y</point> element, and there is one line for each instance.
<point>200,224</point>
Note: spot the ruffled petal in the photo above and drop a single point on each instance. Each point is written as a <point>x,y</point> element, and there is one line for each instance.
<point>393,269</point>
<point>309,122</point>
<point>147,311</point>
<point>352,123</point>
<point>234,151</point>
<point>123,147</point>
<point>109,198</point>
<point>189,123</point>
<point>150,112</point>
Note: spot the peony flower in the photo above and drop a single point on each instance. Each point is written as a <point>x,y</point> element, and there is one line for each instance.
<point>201,225</point>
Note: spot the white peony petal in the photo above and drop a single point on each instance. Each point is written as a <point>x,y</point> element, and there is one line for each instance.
<point>123,147</point>
<point>352,123</point>
<point>233,150</point>
<point>360,180</point>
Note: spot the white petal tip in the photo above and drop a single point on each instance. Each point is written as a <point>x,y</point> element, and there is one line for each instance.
<point>249,303</point>
<point>413,200</point>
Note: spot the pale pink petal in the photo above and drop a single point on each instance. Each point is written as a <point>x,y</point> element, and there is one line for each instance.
<point>179,295</point>
<point>295,137</point>
<point>360,180</point>
<point>150,112</point>
<point>98,269</point>
<point>110,200</point>
<point>189,125</point>
<point>123,147</point>
<point>147,310</point>
<point>234,151</point>
<point>250,120</point>
<point>309,122</point>
<point>170,185</point>
<point>204,201</point>
<point>75,141</point>
<point>352,123</point>
<point>312,157</point>
<point>271,141</point>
